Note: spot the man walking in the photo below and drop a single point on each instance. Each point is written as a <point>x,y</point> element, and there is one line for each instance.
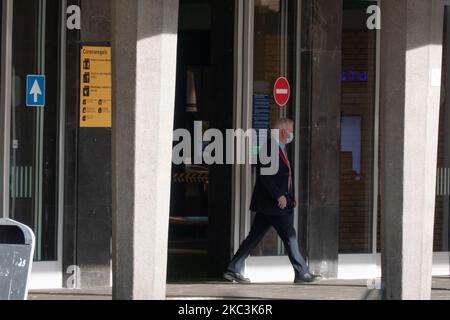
<point>274,202</point>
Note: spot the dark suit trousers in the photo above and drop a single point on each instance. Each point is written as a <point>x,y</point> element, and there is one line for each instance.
<point>284,225</point>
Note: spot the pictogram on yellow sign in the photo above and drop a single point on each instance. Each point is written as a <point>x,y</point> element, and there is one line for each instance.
<point>95,88</point>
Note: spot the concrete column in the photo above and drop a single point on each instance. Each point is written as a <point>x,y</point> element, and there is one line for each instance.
<point>144,39</point>
<point>411,58</point>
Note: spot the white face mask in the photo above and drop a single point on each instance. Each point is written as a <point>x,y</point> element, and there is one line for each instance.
<point>290,138</point>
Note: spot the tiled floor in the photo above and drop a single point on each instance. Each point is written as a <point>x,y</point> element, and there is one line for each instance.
<point>323,290</point>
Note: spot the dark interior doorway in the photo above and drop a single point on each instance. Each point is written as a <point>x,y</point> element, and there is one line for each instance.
<point>201,198</point>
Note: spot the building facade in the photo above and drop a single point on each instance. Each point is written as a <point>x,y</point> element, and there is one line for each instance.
<point>65,169</point>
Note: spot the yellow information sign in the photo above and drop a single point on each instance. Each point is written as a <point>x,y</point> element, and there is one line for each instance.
<point>95,88</point>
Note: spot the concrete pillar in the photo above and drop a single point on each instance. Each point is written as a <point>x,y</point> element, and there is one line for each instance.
<point>144,40</point>
<point>411,58</point>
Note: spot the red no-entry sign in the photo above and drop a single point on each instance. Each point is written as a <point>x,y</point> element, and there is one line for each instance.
<point>282,91</point>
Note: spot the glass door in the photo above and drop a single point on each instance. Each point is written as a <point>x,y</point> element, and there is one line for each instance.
<point>34,155</point>
<point>441,266</point>
<point>269,34</point>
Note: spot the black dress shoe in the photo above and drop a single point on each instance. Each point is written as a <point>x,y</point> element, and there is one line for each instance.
<point>235,277</point>
<point>307,278</point>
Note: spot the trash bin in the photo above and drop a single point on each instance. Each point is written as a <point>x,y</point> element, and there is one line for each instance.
<point>16,258</point>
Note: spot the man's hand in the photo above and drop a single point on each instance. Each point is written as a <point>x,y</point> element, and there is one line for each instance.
<point>282,202</point>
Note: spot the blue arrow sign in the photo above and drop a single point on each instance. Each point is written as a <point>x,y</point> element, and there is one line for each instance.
<point>35,91</point>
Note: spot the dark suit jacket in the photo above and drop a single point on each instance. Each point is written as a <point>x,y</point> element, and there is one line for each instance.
<point>269,189</point>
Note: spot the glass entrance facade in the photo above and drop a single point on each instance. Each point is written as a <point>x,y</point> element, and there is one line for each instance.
<point>442,221</point>
<point>274,56</point>
<point>230,54</point>
<point>35,130</point>
<point>200,210</point>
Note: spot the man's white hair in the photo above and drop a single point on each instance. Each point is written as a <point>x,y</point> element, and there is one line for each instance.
<point>283,124</point>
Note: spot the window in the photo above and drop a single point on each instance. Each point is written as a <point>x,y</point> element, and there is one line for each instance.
<point>358,112</point>
<point>274,57</point>
<point>442,222</point>
<point>34,131</point>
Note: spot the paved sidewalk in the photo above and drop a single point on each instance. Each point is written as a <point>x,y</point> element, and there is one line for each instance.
<point>323,290</point>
